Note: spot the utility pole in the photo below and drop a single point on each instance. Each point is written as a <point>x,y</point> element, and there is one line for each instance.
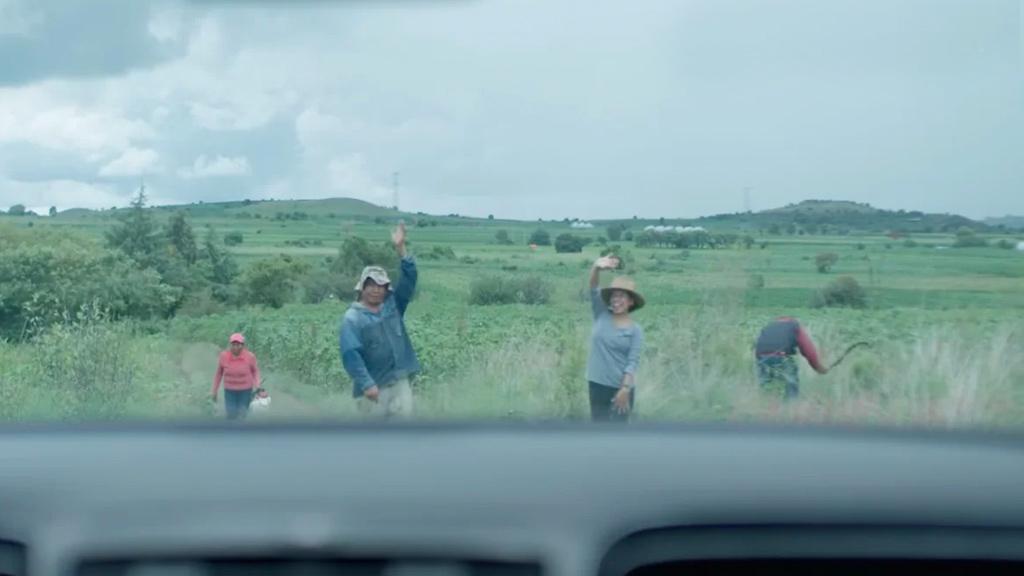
<point>746,199</point>
<point>394,190</point>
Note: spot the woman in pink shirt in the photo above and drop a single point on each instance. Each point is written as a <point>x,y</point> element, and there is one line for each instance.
<point>237,367</point>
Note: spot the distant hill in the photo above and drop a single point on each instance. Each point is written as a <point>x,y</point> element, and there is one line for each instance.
<point>825,217</point>
<point>809,216</point>
<point>323,208</point>
<point>1016,222</point>
<point>824,207</point>
<point>338,206</point>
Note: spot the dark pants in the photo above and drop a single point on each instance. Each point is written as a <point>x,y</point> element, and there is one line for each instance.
<point>236,403</point>
<point>601,408</point>
<point>771,369</point>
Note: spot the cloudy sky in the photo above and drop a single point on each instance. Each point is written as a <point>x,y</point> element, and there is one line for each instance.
<point>520,108</point>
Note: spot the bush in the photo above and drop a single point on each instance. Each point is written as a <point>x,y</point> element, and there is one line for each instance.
<point>323,285</point>
<point>272,282</point>
<point>909,243</point>
<point>825,261</point>
<point>201,303</point>
<point>628,236</point>
<point>755,281</point>
<point>439,253</point>
<point>233,238</point>
<point>540,237</point>
<point>843,292</point>
<point>509,290</point>
<point>356,253</point>
<point>615,232</point>
<point>52,278</point>
<point>567,243</point>
<point>966,238</point>
<point>501,236</point>
<point>1005,244</point>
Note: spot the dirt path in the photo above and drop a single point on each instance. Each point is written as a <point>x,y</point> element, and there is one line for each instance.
<point>198,363</point>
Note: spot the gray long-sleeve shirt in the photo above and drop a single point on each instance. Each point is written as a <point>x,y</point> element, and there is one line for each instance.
<point>614,351</point>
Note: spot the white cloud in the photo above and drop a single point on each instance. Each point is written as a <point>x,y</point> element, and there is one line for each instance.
<point>133,162</point>
<point>240,114</point>
<point>206,167</point>
<point>39,115</point>
<point>165,25</point>
<point>351,176</point>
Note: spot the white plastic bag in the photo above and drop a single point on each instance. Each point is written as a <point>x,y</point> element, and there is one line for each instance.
<point>260,402</point>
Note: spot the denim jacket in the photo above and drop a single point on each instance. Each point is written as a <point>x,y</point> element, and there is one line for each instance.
<point>375,346</point>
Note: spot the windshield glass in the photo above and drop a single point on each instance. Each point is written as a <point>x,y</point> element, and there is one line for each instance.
<point>785,211</point>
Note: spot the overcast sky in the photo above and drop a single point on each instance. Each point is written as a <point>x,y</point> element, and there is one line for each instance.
<point>520,108</point>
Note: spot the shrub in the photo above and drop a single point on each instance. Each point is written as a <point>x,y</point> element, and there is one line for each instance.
<point>439,253</point>
<point>910,243</point>
<point>567,243</point>
<point>272,281</point>
<point>501,236</point>
<point>825,261</point>
<point>843,292</point>
<point>201,303</point>
<point>356,253</point>
<point>323,285</point>
<point>233,238</point>
<point>966,238</point>
<point>540,237</point>
<point>492,290</point>
<point>52,278</point>
<point>755,281</point>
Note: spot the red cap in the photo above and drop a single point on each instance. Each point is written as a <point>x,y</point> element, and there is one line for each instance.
<point>236,337</point>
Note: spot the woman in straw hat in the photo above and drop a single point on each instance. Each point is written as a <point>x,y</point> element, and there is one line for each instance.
<point>615,344</point>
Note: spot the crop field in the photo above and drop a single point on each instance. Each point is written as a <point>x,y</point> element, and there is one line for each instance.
<point>946,325</point>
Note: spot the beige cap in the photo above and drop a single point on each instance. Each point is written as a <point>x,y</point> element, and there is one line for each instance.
<point>375,273</point>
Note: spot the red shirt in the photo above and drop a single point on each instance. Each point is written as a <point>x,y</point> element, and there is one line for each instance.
<point>785,336</point>
<point>238,372</point>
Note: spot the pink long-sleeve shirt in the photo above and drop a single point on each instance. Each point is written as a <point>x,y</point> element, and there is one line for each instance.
<point>238,372</point>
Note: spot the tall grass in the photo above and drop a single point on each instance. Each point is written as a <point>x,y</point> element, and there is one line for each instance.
<point>697,366</point>
<point>93,369</point>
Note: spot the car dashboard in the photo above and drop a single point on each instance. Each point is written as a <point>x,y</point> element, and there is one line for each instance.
<point>510,499</point>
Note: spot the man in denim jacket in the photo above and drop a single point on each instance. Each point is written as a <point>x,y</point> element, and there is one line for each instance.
<point>375,347</point>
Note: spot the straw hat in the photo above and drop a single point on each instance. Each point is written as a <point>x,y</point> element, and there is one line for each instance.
<point>625,284</point>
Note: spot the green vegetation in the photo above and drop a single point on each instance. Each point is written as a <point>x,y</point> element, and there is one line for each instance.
<point>540,237</point>
<point>509,290</point>
<point>118,314</point>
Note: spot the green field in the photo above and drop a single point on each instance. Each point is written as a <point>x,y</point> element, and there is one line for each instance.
<point>946,324</point>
